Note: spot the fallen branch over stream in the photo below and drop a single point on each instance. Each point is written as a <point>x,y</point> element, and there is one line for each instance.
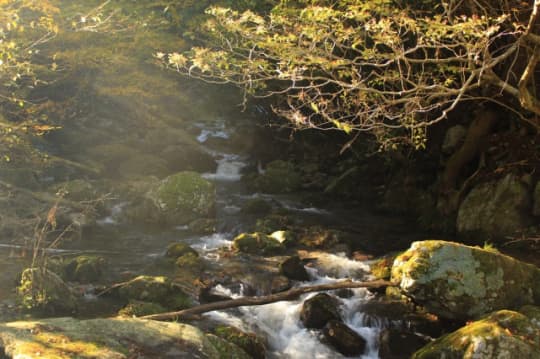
<point>249,301</point>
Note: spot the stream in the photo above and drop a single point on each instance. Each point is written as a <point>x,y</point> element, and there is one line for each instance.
<point>143,131</point>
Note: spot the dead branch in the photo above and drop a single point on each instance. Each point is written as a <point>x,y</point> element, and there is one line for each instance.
<point>272,298</point>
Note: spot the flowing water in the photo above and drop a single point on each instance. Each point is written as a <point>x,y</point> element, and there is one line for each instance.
<point>154,126</point>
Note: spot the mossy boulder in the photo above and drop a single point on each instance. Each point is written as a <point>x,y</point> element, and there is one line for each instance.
<point>42,290</point>
<point>503,334</point>
<point>257,243</point>
<point>137,308</point>
<point>460,282</point>
<point>85,269</point>
<point>112,338</point>
<point>184,197</point>
<point>278,177</point>
<point>318,310</point>
<point>495,209</point>
<point>381,268</point>
<point>191,262</point>
<point>175,250</point>
<point>249,342</point>
<point>77,190</point>
<point>157,289</point>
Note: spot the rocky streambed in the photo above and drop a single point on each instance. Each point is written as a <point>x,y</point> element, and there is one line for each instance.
<point>164,202</point>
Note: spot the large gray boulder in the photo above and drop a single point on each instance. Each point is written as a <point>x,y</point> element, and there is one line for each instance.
<point>495,209</point>
<point>460,282</point>
<point>503,334</point>
<point>114,338</point>
<point>178,199</point>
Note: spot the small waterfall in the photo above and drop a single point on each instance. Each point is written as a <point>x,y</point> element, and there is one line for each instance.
<point>280,321</point>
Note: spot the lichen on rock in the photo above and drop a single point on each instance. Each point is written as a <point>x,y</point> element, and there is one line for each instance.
<point>503,334</point>
<point>456,281</point>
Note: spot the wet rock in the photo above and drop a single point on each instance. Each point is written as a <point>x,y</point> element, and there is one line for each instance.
<point>185,196</point>
<point>191,262</point>
<point>396,344</point>
<point>176,250</point>
<point>293,268</point>
<point>344,339</point>
<point>459,282</point>
<point>249,342</point>
<point>208,295</point>
<point>536,199</point>
<point>278,177</point>
<point>257,243</point>
<point>137,308</point>
<point>256,206</point>
<point>85,269</point>
<point>158,289</point>
<point>117,338</point>
<point>503,334</point>
<point>40,289</point>
<point>495,209</point>
<point>402,316</point>
<point>319,310</point>
<point>453,138</point>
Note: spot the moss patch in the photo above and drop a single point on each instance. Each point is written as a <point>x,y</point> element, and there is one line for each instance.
<point>503,334</point>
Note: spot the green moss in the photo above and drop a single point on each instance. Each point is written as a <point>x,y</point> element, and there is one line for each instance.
<point>176,250</point>
<point>158,289</point>
<point>43,290</point>
<point>382,268</point>
<point>249,342</point>
<point>226,350</point>
<point>191,262</point>
<point>503,334</point>
<point>186,195</point>
<point>85,269</point>
<point>279,177</point>
<point>257,243</point>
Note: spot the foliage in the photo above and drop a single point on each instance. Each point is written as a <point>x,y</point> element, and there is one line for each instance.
<point>387,67</point>
<point>24,27</point>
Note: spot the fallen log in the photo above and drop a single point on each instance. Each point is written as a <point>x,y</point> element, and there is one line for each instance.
<point>272,298</point>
